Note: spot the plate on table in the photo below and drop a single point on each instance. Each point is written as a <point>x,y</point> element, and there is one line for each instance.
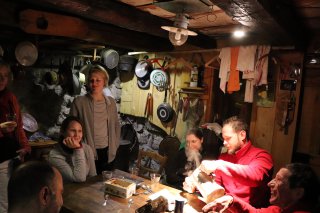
<point>8,124</point>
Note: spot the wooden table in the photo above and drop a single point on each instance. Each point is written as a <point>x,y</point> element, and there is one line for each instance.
<point>41,148</point>
<point>88,197</point>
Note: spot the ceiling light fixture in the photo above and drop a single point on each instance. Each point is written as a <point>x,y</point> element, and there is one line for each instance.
<point>239,33</point>
<point>178,33</point>
<point>137,53</point>
<point>313,61</point>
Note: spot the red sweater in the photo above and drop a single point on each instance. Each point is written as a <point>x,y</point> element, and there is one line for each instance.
<point>247,175</point>
<point>9,104</point>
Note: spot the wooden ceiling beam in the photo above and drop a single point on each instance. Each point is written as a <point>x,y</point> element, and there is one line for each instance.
<point>120,15</point>
<point>44,23</point>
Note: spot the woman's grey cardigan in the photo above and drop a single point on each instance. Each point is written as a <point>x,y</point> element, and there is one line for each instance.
<point>82,107</point>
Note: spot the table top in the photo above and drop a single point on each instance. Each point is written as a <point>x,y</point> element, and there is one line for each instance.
<point>42,143</point>
<point>88,197</point>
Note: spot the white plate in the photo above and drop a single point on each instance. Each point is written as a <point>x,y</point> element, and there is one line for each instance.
<point>8,124</point>
<point>29,122</point>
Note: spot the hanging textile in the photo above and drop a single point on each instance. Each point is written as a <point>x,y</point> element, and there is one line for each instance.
<point>234,79</point>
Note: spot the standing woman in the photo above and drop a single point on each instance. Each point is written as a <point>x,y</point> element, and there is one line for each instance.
<point>100,118</point>
<point>187,159</point>
<point>72,158</point>
<point>12,136</point>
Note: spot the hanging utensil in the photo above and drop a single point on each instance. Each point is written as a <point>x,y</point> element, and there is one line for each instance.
<point>148,111</point>
<point>26,53</point>
<point>127,63</point>
<point>143,69</point>
<point>110,58</point>
<point>180,103</point>
<point>143,83</point>
<point>158,78</point>
<point>186,106</point>
<point>164,111</point>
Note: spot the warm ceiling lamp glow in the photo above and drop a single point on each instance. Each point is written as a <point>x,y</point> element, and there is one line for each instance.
<point>178,33</point>
<point>313,61</point>
<point>239,34</point>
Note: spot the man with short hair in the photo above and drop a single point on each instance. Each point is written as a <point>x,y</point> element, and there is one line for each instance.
<point>295,189</point>
<point>35,187</point>
<point>244,171</point>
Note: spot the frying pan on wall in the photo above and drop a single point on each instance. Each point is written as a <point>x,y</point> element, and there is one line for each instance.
<point>164,111</point>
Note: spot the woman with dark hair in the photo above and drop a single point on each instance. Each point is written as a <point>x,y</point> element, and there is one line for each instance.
<point>13,140</point>
<point>72,158</point>
<point>100,119</point>
<point>187,159</point>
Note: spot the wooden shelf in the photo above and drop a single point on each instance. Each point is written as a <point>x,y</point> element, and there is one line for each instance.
<point>192,90</point>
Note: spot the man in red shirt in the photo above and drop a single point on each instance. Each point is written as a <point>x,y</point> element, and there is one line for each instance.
<point>244,170</point>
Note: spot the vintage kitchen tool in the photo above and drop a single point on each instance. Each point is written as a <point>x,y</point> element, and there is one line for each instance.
<point>85,69</point>
<point>127,63</point>
<point>158,77</point>
<point>143,69</point>
<point>143,83</point>
<point>148,111</point>
<point>26,53</point>
<point>179,106</point>
<point>186,106</point>
<point>165,112</point>
<point>110,58</point>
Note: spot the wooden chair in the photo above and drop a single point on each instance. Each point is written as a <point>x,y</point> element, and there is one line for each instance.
<point>146,160</point>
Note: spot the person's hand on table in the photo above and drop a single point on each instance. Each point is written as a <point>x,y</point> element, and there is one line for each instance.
<point>188,185</point>
<point>71,143</point>
<point>219,205</point>
<point>8,126</point>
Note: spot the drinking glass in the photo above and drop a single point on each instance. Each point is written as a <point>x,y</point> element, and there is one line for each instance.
<point>134,170</point>
<point>155,178</point>
<point>106,175</point>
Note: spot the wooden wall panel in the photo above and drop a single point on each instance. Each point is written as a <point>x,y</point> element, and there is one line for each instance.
<point>265,129</point>
<point>262,127</point>
<point>133,99</point>
<point>309,134</point>
<point>282,145</point>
